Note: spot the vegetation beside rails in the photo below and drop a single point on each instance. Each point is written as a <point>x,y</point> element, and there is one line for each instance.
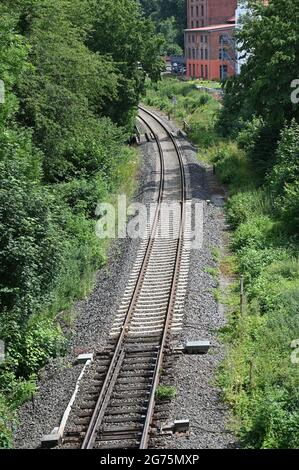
<point>72,79</point>
<point>165,392</point>
<point>260,375</point>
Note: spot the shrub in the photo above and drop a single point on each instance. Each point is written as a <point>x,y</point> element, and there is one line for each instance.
<point>255,233</point>
<point>5,424</point>
<point>31,241</point>
<point>83,194</point>
<point>233,167</point>
<point>284,177</point>
<point>253,261</point>
<point>164,392</point>
<point>249,133</point>
<point>242,205</point>
<point>204,98</point>
<point>16,390</point>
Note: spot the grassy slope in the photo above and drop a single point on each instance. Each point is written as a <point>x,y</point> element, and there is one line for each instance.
<point>258,377</point>
<point>77,282</point>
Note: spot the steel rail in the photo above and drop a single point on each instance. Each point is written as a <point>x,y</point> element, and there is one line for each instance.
<point>150,410</point>
<point>98,413</point>
<point>119,351</point>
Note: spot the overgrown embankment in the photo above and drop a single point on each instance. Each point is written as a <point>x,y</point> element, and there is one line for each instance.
<point>72,80</point>
<point>260,376</point>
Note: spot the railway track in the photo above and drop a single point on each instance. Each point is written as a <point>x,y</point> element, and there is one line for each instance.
<point>117,405</point>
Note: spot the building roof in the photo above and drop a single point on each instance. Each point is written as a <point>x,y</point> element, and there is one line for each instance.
<point>213,27</point>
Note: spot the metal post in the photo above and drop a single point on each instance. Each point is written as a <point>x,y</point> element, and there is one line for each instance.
<point>242,295</point>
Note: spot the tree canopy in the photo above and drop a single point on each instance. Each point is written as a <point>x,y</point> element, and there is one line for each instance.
<point>170,17</point>
<point>73,72</point>
<point>260,97</point>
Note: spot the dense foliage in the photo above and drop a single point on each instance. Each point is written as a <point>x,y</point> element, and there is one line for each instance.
<point>73,72</point>
<point>260,375</point>
<point>170,17</point>
<point>259,99</point>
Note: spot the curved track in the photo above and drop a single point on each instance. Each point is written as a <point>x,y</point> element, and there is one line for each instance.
<point>120,414</point>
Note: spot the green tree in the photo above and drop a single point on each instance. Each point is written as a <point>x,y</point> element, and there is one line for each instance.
<point>270,38</point>
<point>60,154</point>
<point>161,10</point>
<point>150,8</point>
<point>121,31</point>
<point>284,177</point>
<point>169,30</point>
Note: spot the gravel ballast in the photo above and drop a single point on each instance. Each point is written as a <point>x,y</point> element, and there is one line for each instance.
<point>198,397</point>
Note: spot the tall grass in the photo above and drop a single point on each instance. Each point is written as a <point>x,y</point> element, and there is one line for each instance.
<point>258,377</point>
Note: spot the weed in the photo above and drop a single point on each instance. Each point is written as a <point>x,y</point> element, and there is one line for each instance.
<point>165,392</point>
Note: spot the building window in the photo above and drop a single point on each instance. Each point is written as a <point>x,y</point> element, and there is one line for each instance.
<point>194,73</point>
<point>206,67</point>
<point>201,53</point>
<point>197,24</point>
<point>193,53</point>
<point>190,70</point>
<point>223,71</point>
<point>189,53</point>
<point>206,54</point>
<point>223,39</point>
<point>222,54</point>
<point>201,71</point>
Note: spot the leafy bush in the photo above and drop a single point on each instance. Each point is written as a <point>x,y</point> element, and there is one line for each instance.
<point>31,241</point>
<point>61,153</point>
<point>248,135</point>
<point>255,233</point>
<point>242,205</point>
<point>6,418</point>
<point>83,194</point>
<point>253,261</point>
<point>284,177</point>
<point>17,390</point>
<point>165,392</point>
<point>232,167</point>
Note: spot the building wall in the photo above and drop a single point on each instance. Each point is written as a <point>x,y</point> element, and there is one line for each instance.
<point>219,11</point>
<point>209,12</point>
<point>203,53</point>
<point>196,13</point>
<point>209,69</point>
<point>203,48</point>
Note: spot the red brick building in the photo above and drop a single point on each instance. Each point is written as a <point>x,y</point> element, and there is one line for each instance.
<point>209,45</point>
